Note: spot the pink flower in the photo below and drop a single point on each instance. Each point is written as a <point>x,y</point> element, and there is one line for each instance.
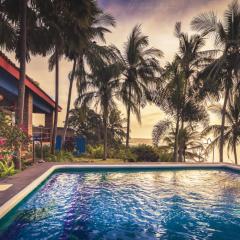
<point>2,141</point>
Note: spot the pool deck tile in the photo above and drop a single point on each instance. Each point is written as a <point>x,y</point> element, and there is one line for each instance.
<point>21,180</point>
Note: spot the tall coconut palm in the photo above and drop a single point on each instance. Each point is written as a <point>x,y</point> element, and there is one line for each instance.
<point>191,58</point>
<point>87,52</point>
<point>99,89</point>
<point>23,42</point>
<point>63,19</point>
<point>169,95</point>
<point>220,75</point>
<point>188,139</point>
<point>141,64</point>
<point>232,127</point>
<point>116,130</point>
<point>22,17</point>
<point>8,33</point>
<point>18,18</point>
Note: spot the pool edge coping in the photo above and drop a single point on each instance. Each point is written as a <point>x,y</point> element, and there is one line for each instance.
<point>17,198</point>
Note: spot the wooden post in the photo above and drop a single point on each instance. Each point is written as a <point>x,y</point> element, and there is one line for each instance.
<point>41,143</point>
<point>33,149</point>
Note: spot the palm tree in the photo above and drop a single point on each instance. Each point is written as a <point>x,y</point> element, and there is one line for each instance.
<point>100,88</point>
<point>188,139</point>
<point>22,60</point>
<point>86,122</point>
<point>191,59</point>
<point>140,67</point>
<point>220,75</point>
<point>169,95</point>
<point>116,131</point>
<point>232,127</point>
<point>8,34</point>
<point>15,27</point>
<point>86,52</point>
<point>63,19</point>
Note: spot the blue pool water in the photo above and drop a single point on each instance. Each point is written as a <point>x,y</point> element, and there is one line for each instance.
<point>183,204</point>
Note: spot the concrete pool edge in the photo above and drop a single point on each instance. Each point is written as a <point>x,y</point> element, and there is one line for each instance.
<point>16,199</point>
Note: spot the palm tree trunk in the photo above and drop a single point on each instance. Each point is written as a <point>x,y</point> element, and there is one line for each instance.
<point>68,102</point>
<point>175,152</point>
<point>223,125</point>
<point>128,120</point>
<point>21,85</point>
<point>56,101</point>
<point>235,153</point>
<point>105,116</point>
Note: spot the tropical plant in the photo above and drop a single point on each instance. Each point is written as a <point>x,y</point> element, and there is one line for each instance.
<point>13,136</point>
<point>170,96</point>
<point>18,18</point>
<point>6,167</point>
<point>15,24</point>
<point>61,156</point>
<point>189,140</point>
<point>116,131</point>
<point>145,153</point>
<point>95,151</point>
<point>190,59</point>
<point>141,65</point>
<point>86,122</point>
<point>64,22</point>
<point>42,152</point>
<point>231,129</point>
<point>87,52</point>
<point>100,88</point>
<point>218,78</point>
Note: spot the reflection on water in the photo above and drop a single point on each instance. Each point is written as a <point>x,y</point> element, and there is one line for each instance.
<point>191,204</point>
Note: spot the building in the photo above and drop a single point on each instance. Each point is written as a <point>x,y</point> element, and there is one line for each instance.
<point>36,99</point>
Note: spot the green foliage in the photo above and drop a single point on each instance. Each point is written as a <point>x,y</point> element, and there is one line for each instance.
<point>164,154</point>
<point>145,153</point>
<point>46,151</point>
<point>14,137</point>
<point>6,167</point>
<point>60,156</point>
<point>128,155</point>
<point>86,122</point>
<point>140,153</point>
<point>95,151</point>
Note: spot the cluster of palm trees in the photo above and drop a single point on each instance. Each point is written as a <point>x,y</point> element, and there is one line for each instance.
<point>76,31</point>
<point>125,76</point>
<point>56,28</point>
<point>197,75</point>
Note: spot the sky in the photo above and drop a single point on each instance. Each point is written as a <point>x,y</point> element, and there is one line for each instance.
<point>157,19</point>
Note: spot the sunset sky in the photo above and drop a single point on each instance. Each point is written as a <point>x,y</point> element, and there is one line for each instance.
<point>157,18</point>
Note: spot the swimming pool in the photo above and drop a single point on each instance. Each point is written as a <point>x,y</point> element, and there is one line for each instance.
<point>129,204</point>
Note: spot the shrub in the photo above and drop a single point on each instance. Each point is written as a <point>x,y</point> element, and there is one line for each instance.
<point>12,137</point>
<point>145,153</point>
<point>46,151</point>
<point>165,156</point>
<point>69,146</point>
<point>6,166</point>
<point>95,151</point>
<point>126,155</point>
<point>61,156</point>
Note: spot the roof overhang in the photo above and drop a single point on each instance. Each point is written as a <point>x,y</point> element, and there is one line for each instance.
<point>8,66</point>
